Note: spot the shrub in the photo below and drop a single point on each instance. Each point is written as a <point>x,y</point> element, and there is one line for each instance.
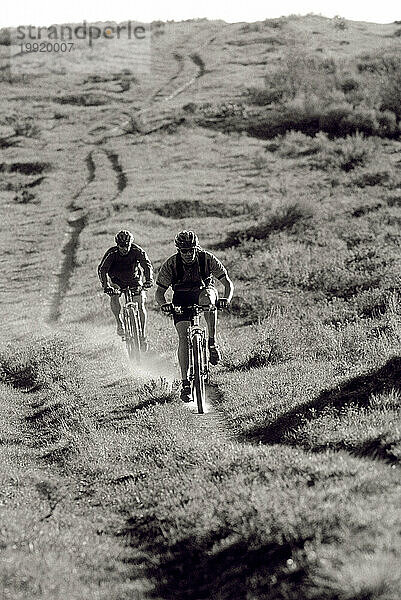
<point>83,99</point>
<point>391,95</point>
<point>372,177</point>
<point>349,84</point>
<point>276,23</point>
<point>24,197</point>
<point>178,209</point>
<point>38,365</point>
<point>361,119</point>
<point>265,96</point>
<point>23,125</point>
<point>251,28</point>
<point>286,217</point>
<point>345,154</point>
<point>190,107</point>
<point>340,23</point>
<point>332,117</point>
<point>387,123</point>
<point>295,144</point>
<point>380,63</point>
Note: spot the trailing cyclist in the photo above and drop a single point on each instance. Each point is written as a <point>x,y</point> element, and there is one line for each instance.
<point>191,273</point>
<point>125,265</point>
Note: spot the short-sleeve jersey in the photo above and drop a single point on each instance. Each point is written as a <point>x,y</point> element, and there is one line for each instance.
<point>189,277</point>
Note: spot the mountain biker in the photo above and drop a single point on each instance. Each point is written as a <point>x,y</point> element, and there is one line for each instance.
<point>124,264</point>
<point>191,272</point>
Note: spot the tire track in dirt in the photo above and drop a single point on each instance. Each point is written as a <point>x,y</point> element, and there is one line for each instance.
<point>180,61</point>
<point>198,62</point>
<point>122,179</point>
<point>157,121</point>
<point>77,221</point>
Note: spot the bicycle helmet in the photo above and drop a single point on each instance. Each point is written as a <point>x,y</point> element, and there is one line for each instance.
<point>186,239</point>
<point>124,238</point>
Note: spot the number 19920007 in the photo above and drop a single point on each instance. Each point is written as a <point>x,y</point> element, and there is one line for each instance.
<point>47,47</point>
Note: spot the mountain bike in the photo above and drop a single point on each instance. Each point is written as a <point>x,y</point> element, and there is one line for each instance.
<point>198,372</point>
<point>131,322</point>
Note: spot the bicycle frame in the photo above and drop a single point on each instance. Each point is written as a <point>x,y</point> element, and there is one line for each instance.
<point>198,370</point>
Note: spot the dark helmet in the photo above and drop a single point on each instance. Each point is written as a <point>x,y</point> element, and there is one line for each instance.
<point>186,239</point>
<point>124,238</point>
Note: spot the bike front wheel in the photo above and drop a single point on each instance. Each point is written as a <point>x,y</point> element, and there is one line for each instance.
<point>132,334</point>
<point>199,387</point>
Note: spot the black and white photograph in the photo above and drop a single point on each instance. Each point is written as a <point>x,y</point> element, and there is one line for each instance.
<point>200,332</point>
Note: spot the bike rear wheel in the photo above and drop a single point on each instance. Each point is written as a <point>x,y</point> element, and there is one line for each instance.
<point>199,387</point>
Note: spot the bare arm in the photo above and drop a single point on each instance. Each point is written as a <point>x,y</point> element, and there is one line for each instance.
<point>160,295</point>
<point>228,287</point>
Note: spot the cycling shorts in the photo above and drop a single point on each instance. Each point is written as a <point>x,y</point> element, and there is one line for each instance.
<point>187,298</point>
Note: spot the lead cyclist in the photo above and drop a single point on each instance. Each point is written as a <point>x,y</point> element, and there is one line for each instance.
<point>191,273</point>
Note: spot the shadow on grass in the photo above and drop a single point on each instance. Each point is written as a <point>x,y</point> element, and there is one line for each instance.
<point>378,447</point>
<point>355,391</point>
<point>289,218</point>
<point>203,568</point>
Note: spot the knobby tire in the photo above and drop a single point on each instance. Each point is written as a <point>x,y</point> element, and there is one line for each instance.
<point>199,379</point>
<point>136,334</point>
<point>131,335</point>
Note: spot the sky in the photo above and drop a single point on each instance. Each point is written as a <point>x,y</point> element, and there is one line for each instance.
<point>45,12</point>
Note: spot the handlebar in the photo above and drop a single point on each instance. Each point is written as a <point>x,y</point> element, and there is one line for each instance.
<point>197,308</point>
<point>135,290</point>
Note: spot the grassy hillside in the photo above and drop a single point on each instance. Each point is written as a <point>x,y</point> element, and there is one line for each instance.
<point>278,143</point>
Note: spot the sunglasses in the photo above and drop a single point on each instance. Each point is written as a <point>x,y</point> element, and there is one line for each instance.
<point>186,250</point>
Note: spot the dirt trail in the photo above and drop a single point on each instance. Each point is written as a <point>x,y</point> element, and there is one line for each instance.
<point>160,93</point>
<point>78,217</point>
<point>212,424</point>
<point>67,267</point>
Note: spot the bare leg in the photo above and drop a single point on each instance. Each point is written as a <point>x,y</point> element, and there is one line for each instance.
<point>207,297</point>
<point>115,308</point>
<point>183,358</point>
<point>211,322</point>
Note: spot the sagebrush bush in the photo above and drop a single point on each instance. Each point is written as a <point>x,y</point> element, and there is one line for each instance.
<point>178,209</point>
<point>295,144</point>
<point>333,116</point>
<point>345,154</point>
<point>285,217</point>
<point>348,84</point>
<point>391,95</point>
<point>311,94</point>
<point>371,178</point>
